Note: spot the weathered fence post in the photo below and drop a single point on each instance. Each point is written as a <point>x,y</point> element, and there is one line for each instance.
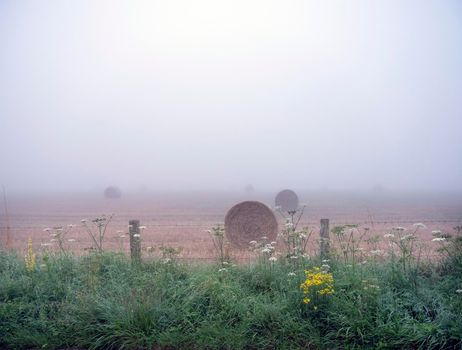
<point>325,239</point>
<point>135,240</point>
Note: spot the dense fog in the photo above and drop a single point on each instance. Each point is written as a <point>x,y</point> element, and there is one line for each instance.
<point>216,95</point>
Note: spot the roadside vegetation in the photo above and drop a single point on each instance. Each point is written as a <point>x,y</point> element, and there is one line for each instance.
<point>355,299</point>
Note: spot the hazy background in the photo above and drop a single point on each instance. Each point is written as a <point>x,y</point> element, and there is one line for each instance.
<point>211,94</point>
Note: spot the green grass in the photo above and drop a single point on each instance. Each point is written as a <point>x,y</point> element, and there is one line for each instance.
<point>104,301</point>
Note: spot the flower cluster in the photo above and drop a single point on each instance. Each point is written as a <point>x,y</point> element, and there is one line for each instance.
<point>402,244</point>
<point>440,236</point>
<point>220,244</point>
<point>349,239</point>
<point>58,235</point>
<point>98,230</point>
<point>30,256</point>
<point>318,283</point>
<point>295,241</point>
<point>264,250</point>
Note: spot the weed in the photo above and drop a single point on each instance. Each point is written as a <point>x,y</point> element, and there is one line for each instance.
<point>97,230</point>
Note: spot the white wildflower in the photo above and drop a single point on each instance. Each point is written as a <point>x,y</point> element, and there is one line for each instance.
<point>83,221</point>
<point>273,243</point>
<point>325,266</point>
<point>289,224</point>
<point>273,259</point>
<point>436,232</point>
<point>407,237</point>
<point>46,244</point>
<point>71,240</point>
<point>291,274</point>
<point>222,270</point>
<point>459,291</point>
<point>438,239</point>
<point>419,225</point>
<point>325,261</point>
<point>389,235</point>
<point>376,252</point>
<point>264,238</point>
<point>293,257</point>
<point>266,250</point>
<point>137,235</point>
<point>253,242</point>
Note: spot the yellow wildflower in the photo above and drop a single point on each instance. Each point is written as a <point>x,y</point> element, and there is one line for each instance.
<point>30,256</point>
<point>318,283</point>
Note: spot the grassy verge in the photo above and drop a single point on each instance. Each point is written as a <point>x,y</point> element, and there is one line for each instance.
<point>104,301</point>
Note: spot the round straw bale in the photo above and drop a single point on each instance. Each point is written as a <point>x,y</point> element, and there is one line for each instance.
<point>287,200</point>
<point>112,192</point>
<point>249,221</point>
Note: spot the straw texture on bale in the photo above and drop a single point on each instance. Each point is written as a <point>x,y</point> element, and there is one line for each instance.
<point>287,200</point>
<point>250,221</point>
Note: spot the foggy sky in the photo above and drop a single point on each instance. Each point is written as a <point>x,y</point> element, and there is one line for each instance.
<point>211,94</point>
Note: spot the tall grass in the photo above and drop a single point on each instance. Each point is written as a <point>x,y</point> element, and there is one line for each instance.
<point>102,301</point>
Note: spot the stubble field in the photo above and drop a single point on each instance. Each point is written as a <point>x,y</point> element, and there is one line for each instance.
<point>181,220</point>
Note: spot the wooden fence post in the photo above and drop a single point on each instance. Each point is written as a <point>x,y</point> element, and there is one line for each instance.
<point>325,239</point>
<point>135,240</point>
<point>7,220</point>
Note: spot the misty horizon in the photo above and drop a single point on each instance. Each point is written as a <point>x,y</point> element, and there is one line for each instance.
<point>211,96</point>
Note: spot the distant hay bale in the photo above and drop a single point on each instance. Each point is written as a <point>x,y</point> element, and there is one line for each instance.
<point>250,221</point>
<point>287,200</point>
<point>249,189</point>
<point>112,192</point>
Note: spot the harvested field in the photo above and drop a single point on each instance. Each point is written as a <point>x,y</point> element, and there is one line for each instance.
<point>180,220</point>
